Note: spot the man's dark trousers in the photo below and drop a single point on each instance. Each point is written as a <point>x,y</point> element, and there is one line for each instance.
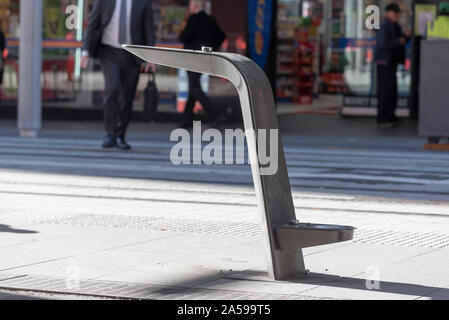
<point>387,93</point>
<point>121,75</point>
<point>196,93</point>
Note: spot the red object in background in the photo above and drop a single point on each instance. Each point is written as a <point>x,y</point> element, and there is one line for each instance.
<point>225,45</point>
<point>334,82</point>
<point>302,35</point>
<point>70,67</point>
<point>181,106</point>
<point>408,64</point>
<point>305,75</point>
<point>369,56</point>
<point>304,99</point>
<point>241,44</point>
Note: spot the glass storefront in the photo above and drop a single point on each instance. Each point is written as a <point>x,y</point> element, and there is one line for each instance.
<point>323,47</point>
<point>9,17</point>
<point>356,43</point>
<point>63,82</point>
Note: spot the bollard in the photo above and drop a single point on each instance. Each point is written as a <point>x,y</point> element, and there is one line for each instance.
<point>285,236</point>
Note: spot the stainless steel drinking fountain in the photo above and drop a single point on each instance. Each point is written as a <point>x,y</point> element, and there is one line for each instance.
<point>285,236</point>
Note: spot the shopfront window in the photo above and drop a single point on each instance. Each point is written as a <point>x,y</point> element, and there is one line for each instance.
<point>63,82</point>
<point>60,54</point>
<point>356,43</point>
<point>169,16</point>
<point>9,24</point>
<point>324,47</point>
<point>59,50</point>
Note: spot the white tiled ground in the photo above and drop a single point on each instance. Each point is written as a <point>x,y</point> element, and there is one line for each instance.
<point>65,209</point>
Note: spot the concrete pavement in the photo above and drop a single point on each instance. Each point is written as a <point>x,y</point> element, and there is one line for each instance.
<point>77,219</point>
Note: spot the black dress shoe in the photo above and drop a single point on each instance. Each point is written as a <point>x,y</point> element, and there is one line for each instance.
<point>110,141</point>
<point>122,144</point>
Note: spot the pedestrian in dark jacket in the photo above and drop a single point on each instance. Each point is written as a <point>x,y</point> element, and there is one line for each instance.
<point>390,51</point>
<point>202,30</point>
<point>111,24</point>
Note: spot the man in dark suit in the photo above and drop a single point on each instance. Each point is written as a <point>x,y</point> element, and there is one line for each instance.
<point>111,24</point>
<point>202,30</point>
<point>390,51</point>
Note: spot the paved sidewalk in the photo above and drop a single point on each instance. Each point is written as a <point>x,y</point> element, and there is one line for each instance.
<point>32,295</point>
<point>132,225</point>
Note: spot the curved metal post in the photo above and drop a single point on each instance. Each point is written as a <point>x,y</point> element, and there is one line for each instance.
<point>273,190</point>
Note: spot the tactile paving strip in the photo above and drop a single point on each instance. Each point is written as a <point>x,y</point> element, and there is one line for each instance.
<point>403,239</point>
<point>133,291</point>
<point>5,276</point>
<point>164,224</point>
<point>243,229</point>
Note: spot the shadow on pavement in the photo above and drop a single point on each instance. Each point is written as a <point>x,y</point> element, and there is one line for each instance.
<point>325,282</point>
<point>8,296</point>
<point>7,229</point>
<point>365,285</point>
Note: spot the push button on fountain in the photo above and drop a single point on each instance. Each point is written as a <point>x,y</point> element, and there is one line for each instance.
<point>207,49</point>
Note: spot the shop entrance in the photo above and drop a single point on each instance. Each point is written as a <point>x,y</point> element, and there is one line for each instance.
<point>325,56</point>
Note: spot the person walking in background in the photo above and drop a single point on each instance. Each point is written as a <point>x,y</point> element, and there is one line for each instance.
<point>390,51</point>
<point>110,26</point>
<point>439,29</point>
<point>202,30</point>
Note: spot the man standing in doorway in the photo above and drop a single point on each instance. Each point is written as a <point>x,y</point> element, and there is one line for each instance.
<point>111,24</point>
<point>390,51</point>
<point>202,30</point>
